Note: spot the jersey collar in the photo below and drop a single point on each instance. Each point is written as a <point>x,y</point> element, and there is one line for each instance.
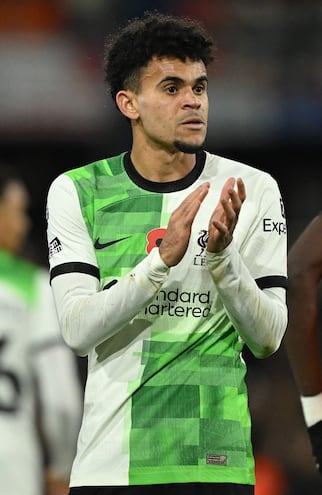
<point>165,187</point>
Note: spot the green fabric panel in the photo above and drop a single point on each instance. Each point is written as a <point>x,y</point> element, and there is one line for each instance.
<point>20,275</point>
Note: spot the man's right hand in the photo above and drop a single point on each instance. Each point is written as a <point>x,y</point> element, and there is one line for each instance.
<point>176,239</point>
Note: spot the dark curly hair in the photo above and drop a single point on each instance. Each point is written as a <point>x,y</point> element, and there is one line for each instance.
<point>131,49</point>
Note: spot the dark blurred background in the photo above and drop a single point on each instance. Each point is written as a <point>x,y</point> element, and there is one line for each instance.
<point>266,110</point>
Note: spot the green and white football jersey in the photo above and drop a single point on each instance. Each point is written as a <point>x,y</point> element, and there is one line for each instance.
<point>165,399</point>
<point>29,338</point>
<point>18,295</point>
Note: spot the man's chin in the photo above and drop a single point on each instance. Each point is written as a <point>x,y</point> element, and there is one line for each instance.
<point>188,147</point>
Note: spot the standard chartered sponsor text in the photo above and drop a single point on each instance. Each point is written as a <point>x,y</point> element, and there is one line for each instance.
<point>180,304</point>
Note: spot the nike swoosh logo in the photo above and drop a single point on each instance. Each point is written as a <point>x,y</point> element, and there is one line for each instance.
<point>99,245</point>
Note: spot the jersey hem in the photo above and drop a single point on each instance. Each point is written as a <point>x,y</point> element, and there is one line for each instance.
<point>160,476</point>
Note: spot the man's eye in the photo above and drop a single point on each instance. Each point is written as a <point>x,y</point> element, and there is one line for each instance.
<point>199,89</point>
<point>171,89</point>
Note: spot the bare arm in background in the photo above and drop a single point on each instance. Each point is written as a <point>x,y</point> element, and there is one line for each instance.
<point>302,335</point>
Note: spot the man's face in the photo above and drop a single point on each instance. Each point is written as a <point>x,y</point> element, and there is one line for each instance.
<point>172,104</point>
<point>14,220</point>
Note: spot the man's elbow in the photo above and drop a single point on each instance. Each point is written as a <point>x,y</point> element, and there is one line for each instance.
<point>265,351</point>
<point>73,338</point>
<point>266,347</point>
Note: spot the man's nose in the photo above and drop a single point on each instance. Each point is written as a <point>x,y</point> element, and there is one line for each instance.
<point>191,99</point>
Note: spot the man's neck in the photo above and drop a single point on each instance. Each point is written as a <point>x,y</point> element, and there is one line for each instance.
<point>162,166</point>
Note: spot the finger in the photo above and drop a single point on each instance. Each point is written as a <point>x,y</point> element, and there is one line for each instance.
<point>234,201</point>
<point>221,226</point>
<point>227,187</point>
<point>191,204</point>
<point>238,197</point>
<point>199,193</point>
<point>241,189</point>
<point>231,208</point>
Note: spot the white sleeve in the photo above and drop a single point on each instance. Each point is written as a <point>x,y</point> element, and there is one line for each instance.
<point>87,314</point>
<point>58,382</point>
<point>60,405</point>
<point>312,409</point>
<point>67,234</point>
<point>44,321</point>
<point>259,316</point>
<point>89,317</point>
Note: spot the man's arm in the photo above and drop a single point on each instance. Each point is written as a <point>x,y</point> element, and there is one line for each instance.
<point>59,390</point>
<point>259,315</point>
<point>60,412</point>
<point>302,335</point>
<point>87,314</point>
<point>305,272</point>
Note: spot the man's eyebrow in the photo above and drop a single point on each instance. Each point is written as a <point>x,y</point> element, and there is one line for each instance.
<point>179,80</point>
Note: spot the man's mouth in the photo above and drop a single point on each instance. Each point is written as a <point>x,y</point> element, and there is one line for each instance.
<point>193,122</point>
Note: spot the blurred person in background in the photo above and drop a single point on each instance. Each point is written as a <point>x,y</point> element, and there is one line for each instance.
<point>40,392</point>
<point>162,271</point>
<point>303,335</point>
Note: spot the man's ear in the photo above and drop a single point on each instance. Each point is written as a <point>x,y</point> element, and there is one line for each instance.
<point>126,103</point>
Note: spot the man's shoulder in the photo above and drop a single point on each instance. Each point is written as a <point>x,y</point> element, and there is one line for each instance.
<point>86,178</point>
<point>18,264</point>
<point>102,166</point>
<point>19,276</point>
<point>234,167</point>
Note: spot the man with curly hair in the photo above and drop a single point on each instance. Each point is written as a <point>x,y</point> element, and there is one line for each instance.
<point>162,270</point>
